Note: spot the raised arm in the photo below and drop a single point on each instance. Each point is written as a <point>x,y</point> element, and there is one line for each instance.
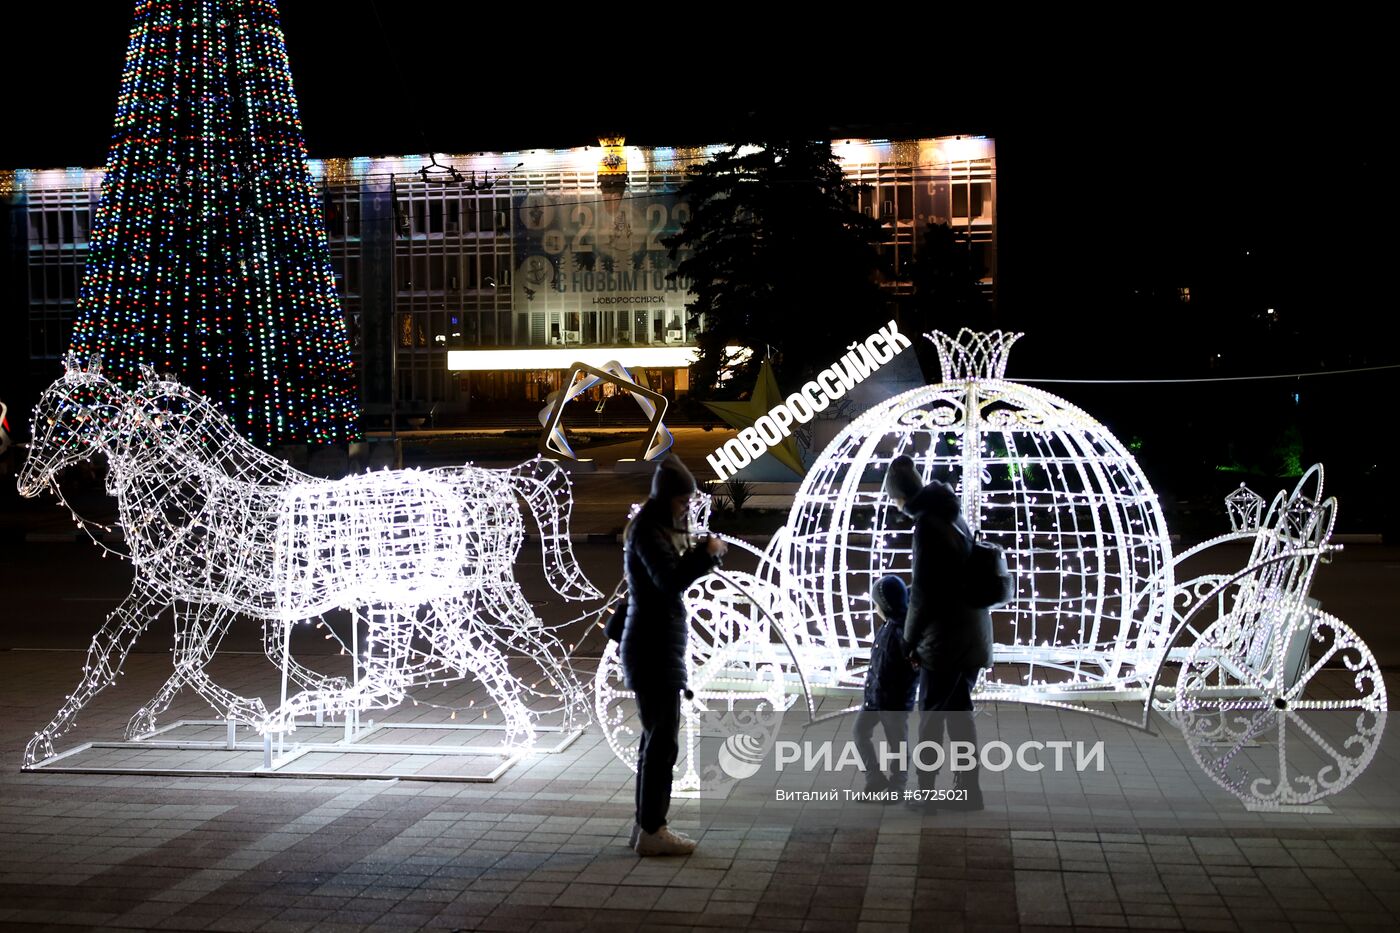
<point>669,571</point>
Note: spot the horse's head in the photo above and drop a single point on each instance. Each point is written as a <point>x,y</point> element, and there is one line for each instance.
<point>74,419</point>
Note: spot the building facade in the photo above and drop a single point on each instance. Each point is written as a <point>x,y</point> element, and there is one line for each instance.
<point>472,282</point>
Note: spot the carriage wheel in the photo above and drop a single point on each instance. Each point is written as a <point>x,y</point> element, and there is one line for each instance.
<point>733,669</point>
<point>1303,659</point>
<point>1270,758</point>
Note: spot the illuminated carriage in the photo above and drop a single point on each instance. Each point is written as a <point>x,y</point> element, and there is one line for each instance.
<point>1099,617</point>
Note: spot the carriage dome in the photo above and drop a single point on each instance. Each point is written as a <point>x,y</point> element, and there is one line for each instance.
<point>1080,524</point>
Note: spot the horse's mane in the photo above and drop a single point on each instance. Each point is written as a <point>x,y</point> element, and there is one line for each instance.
<point>199,431</point>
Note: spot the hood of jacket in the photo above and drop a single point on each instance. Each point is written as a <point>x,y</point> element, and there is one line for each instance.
<point>671,479</point>
<point>937,499</point>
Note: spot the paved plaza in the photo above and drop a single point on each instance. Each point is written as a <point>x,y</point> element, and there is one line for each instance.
<point>1152,842</point>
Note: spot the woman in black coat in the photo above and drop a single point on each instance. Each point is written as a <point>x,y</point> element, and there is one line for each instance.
<point>660,563</point>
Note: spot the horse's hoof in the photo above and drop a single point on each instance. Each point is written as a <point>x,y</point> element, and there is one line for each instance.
<point>39,749</point>
<point>143,723</point>
<point>253,714</point>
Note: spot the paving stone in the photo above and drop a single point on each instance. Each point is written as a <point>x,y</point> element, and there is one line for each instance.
<point>544,849</point>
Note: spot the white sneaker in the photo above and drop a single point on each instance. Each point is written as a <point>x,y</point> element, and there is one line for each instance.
<point>637,831</point>
<point>663,842</point>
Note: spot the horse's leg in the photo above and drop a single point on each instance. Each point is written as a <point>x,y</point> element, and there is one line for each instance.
<point>105,657</point>
<point>205,629</point>
<point>143,721</point>
<point>474,653</point>
<point>541,647</point>
<point>188,664</point>
<point>381,684</point>
<point>297,673</point>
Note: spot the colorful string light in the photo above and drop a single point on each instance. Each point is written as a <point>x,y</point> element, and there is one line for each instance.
<point>209,255</point>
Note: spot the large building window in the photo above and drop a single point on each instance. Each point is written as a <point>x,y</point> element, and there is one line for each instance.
<point>972,201</point>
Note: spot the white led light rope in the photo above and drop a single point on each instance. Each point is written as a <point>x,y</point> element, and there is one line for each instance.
<point>218,530</point>
<point>1079,522</point>
<point>1097,610</point>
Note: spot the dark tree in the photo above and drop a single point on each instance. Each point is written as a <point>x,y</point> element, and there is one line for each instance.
<point>778,256</point>
<point>946,275</point>
<point>947,293</point>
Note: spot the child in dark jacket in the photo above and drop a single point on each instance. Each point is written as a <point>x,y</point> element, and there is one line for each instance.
<point>890,684</point>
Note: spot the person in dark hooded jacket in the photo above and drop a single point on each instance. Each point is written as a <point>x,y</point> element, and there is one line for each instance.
<point>890,684</point>
<point>950,641</point>
<point>659,563</point>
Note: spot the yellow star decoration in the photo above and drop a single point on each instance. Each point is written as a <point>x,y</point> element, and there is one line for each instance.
<point>742,415</point>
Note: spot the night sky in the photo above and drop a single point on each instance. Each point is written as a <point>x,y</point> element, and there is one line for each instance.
<point>1247,162</point>
<point>1155,160</point>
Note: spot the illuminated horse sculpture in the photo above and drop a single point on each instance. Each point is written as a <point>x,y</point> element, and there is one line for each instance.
<point>493,540</point>
<point>217,528</point>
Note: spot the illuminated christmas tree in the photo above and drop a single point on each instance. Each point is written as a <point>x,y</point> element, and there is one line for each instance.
<point>208,256</point>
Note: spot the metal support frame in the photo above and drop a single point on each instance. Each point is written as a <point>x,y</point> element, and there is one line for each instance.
<point>353,741</point>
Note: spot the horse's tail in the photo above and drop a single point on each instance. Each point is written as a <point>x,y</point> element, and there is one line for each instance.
<point>545,488</point>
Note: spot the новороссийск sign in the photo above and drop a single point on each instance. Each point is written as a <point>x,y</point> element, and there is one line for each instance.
<point>830,384</point>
